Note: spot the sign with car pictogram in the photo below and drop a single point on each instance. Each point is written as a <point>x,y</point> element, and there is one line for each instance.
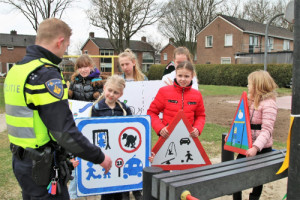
<point>127,140</point>
<point>180,150</point>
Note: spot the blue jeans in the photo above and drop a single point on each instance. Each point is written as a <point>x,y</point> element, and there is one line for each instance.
<point>73,186</point>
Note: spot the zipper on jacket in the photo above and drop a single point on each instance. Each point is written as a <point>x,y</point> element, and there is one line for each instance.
<point>182,98</point>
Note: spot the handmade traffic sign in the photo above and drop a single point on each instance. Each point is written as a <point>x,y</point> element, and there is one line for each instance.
<point>239,137</point>
<point>127,140</point>
<point>180,150</point>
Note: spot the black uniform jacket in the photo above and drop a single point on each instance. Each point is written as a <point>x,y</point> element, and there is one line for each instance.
<point>57,116</point>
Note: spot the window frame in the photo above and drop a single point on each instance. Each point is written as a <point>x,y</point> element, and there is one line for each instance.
<point>206,41</point>
<point>226,43</point>
<point>165,56</point>
<point>224,58</point>
<point>270,43</point>
<point>286,43</point>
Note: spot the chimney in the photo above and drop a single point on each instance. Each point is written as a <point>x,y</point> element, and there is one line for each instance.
<point>144,39</point>
<point>92,34</point>
<point>171,40</point>
<point>13,32</point>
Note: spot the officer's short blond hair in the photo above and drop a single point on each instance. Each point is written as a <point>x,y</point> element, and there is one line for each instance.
<point>52,28</point>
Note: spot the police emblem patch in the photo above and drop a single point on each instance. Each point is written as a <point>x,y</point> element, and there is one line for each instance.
<point>55,87</point>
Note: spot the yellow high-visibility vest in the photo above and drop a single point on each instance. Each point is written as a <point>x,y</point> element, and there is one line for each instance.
<point>24,125</point>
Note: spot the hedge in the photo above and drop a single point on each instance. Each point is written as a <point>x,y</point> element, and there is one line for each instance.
<point>233,75</point>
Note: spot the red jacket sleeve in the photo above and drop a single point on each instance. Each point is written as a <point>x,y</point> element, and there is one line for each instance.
<point>155,108</point>
<point>200,115</point>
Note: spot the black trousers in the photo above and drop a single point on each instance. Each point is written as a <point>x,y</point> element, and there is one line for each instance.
<point>30,190</point>
<point>256,191</point>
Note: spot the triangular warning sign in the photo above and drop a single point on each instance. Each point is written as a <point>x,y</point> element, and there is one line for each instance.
<point>239,137</point>
<point>180,150</point>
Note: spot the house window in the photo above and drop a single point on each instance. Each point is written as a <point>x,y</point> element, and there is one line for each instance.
<point>271,43</point>
<point>286,45</point>
<point>165,56</point>
<point>209,41</point>
<point>226,60</point>
<point>9,66</point>
<point>253,40</point>
<point>148,60</point>
<point>228,40</point>
<point>85,51</point>
<point>195,57</point>
<point>106,63</point>
<point>10,48</point>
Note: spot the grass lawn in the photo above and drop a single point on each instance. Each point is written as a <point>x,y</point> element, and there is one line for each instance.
<point>217,90</point>
<point>1,97</point>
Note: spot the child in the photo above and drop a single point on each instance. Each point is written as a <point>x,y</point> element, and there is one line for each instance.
<point>108,104</point>
<point>172,98</point>
<point>130,67</point>
<point>180,54</point>
<point>262,111</point>
<point>86,85</point>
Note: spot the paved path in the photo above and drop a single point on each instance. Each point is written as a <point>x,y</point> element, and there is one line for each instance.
<point>284,102</point>
<point>2,122</point>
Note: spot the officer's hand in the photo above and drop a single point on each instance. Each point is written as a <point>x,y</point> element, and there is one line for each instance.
<point>74,162</point>
<point>106,164</point>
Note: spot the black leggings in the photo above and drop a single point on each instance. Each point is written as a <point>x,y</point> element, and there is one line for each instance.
<point>256,191</point>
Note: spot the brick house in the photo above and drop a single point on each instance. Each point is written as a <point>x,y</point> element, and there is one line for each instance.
<point>101,46</point>
<point>13,49</point>
<point>166,53</point>
<point>225,38</point>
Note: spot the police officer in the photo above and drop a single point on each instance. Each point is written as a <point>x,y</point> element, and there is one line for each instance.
<point>39,122</point>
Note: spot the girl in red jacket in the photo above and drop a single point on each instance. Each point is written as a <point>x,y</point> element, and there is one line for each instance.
<point>179,96</point>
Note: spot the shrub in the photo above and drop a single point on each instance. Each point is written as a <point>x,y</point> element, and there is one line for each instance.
<point>233,75</point>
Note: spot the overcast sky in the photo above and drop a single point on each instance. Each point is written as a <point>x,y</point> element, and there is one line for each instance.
<point>75,16</point>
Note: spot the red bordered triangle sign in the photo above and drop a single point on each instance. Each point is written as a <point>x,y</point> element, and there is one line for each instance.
<point>239,137</point>
<point>179,151</point>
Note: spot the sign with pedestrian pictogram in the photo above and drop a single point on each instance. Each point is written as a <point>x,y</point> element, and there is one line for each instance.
<point>179,151</point>
<point>127,140</point>
<point>239,137</point>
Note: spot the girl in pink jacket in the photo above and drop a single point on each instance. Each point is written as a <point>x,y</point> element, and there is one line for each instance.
<point>262,111</point>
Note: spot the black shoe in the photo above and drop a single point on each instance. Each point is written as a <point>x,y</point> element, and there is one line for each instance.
<point>138,195</point>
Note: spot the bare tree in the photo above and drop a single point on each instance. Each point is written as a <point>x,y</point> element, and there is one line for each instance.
<point>38,10</point>
<point>263,10</point>
<point>157,44</point>
<point>121,19</point>
<point>184,19</point>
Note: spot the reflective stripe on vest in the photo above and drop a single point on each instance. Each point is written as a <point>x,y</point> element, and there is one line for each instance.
<point>24,125</point>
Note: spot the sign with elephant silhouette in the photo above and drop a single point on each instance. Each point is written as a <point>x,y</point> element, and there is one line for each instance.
<point>127,140</point>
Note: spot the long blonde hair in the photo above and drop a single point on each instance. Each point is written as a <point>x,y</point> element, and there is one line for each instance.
<point>263,87</point>
<point>120,83</point>
<point>137,72</point>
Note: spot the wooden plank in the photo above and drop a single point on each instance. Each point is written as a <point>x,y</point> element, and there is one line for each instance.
<point>217,169</point>
<point>215,185</point>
